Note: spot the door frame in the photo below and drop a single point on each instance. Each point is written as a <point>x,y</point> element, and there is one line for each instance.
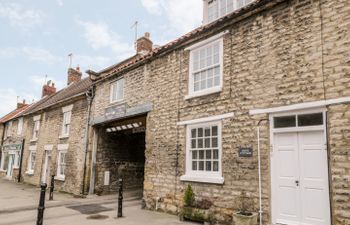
<point>12,159</point>
<point>273,131</point>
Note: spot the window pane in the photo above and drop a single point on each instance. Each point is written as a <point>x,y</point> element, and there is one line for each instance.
<point>215,166</point>
<point>201,165</point>
<point>193,143</point>
<point>202,58</point>
<point>208,166</point>
<point>200,143</point>
<point>196,86</point>
<point>201,154</point>
<point>284,121</point>
<point>207,143</point>
<point>194,165</point>
<point>214,131</point>
<point>194,154</point>
<point>200,132</point>
<point>310,119</point>
<point>214,142</point>
<point>197,77</point>
<point>208,154</point>
<point>215,154</point>
<point>209,56</point>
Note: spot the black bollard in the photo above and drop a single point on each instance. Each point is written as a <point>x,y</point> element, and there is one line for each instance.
<point>52,187</point>
<point>41,207</point>
<point>120,199</point>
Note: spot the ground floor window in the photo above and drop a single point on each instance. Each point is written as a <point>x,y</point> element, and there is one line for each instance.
<point>31,161</point>
<point>203,152</point>
<point>61,164</point>
<point>4,160</point>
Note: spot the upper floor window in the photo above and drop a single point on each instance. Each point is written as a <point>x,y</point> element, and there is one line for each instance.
<point>206,66</point>
<point>36,128</point>
<point>219,8</point>
<point>20,126</point>
<point>67,114</point>
<point>117,91</point>
<point>8,130</point>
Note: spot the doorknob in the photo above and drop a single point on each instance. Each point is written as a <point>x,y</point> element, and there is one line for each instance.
<point>297,183</point>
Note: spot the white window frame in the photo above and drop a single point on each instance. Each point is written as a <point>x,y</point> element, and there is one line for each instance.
<point>8,129</point>
<point>30,169</point>
<point>114,85</point>
<point>62,149</point>
<point>197,47</point>
<point>218,9</point>
<point>67,118</point>
<point>36,128</point>
<point>203,176</point>
<point>3,153</point>
<point>20,126</point>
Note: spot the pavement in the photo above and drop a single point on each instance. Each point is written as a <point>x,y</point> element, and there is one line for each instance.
<point>19,202</point>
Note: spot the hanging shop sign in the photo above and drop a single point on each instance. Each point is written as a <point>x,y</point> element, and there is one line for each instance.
<point>116,111</point>
<point>246,152</point>
<point>14,147</point>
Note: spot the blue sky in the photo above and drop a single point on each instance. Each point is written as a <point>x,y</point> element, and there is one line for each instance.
<point>38,35</point>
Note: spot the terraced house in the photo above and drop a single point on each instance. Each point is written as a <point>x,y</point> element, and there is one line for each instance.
<point>58,138</point>
<point>268,75</point>
<point>12,141</point>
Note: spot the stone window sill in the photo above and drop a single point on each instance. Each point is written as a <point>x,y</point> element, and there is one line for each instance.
<point>63,137</point>
<point>34,140</point>
<point>60,178</point>
<point>203,93</point>
<point>29,173</point>
<point>201,179</point>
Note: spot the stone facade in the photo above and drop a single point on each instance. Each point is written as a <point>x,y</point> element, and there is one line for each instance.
<point>289,52</point>
<point>50,135</point>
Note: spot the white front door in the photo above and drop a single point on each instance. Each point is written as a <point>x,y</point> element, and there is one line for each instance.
<point>10,166</point>
<point>46,169</point>
<point>300,187</point>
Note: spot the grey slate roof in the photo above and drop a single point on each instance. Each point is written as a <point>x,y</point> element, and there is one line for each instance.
<point>75,89</point>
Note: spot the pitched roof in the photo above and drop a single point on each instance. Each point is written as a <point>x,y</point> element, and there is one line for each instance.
<point>75,89</point>
<point>110,71</point>
<point>14,114</point>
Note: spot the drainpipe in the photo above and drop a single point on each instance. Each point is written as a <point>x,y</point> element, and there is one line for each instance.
<point>89,97</point>
<point>21,162</point>
<point>259,168</point>
<point>2,140</point>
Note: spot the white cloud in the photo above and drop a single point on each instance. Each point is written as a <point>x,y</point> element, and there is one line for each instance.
<point>21,17</point>
<point>40,55</point>
<point>8,99</point>
<point>40,81</point>
<point>59,2</point>
<point>154,7</point>
<point>183,15</point>
<point>99,36</point>
<point>96,62</point>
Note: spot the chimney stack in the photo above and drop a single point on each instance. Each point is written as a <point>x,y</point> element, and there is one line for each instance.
<point>74,75</point>
<point>48,89</point>
<point>21,105</point>
<point>144,44</point>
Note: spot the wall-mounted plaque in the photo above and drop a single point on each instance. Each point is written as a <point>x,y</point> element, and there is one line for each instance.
<point>116,111</point>
<point>246,152</point>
